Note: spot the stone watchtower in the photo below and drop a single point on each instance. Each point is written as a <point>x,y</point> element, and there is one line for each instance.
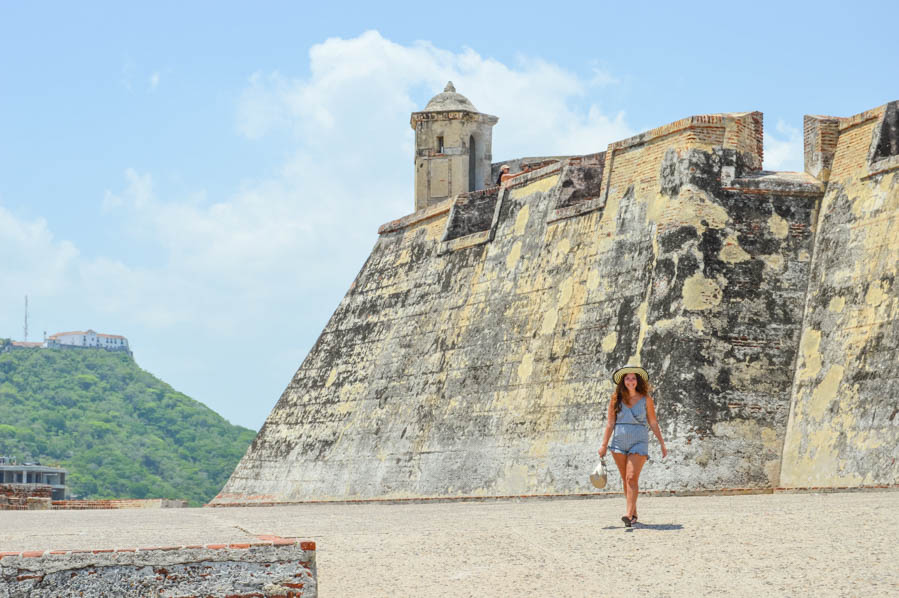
<point>452,148</point>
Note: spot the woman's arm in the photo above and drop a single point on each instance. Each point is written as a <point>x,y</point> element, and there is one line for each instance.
<point>654,424</point>
<point>610,425</point>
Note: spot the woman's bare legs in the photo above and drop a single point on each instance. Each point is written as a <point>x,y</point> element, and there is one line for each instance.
<point>631,475</point>
<point>621,462</point>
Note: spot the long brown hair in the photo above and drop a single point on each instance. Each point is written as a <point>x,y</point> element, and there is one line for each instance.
<point>643,389</point>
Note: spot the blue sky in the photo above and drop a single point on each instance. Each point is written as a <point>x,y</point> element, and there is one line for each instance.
<point>208,178</point>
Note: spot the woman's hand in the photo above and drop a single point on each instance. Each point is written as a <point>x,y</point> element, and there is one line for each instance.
<point>664,451</point>
<point>602,451</point>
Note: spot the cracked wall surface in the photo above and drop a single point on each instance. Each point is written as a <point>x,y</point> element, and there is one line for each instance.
<point>482,368</point>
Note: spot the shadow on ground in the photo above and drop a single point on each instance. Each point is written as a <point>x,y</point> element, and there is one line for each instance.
<point>659,527</point>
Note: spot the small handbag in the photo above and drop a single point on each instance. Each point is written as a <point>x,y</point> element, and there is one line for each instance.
<point>599,477</point>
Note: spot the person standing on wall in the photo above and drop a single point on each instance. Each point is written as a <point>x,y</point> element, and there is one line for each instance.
<point>503,175</point>
<point>631,409</point>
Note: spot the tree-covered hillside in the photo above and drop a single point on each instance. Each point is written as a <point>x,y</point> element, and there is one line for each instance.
<point>118,430</point>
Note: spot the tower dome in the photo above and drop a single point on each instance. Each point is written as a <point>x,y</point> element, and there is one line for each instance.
<point>449,99</point>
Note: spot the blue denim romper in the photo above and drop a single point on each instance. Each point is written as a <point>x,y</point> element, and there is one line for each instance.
<point>631,435</point>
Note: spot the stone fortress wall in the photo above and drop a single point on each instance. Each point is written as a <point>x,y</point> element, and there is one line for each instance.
<point>843,428</point>
<point>472,354</point>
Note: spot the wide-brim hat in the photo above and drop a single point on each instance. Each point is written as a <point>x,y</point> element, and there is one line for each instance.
<point>629,369</point>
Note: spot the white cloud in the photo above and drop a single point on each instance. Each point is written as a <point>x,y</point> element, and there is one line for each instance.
<point>33,260</point>
<point>266,263</point>
<point>784,151</point>
<point>153,80</point>
<point>364,86</point>
<point>138,194</point>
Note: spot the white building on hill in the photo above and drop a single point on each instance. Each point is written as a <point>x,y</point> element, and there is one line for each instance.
<point>88,338</point>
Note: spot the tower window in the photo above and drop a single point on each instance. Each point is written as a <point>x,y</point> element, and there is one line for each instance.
<point>440,144</point>
<point>472,165</point>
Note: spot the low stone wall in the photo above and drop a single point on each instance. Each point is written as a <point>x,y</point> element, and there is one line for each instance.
<point>273,567</point>
<point>141,503</point>
<point>21,497</point>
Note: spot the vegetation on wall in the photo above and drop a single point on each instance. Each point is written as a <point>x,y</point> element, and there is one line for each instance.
<point>118,430</point>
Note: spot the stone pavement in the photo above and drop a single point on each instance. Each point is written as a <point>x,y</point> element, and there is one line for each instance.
<point>832,544</point>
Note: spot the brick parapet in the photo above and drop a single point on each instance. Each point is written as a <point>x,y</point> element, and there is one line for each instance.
<point>529,177</point>
<point>861,118</point>
<point>434,211</point>
<point>778,183</point>
<point>444,207</point>
<point>741,131</point>
<point>22,497</point>
<point>820,136</point>
<point>690,122</point>
<point>744,133</point>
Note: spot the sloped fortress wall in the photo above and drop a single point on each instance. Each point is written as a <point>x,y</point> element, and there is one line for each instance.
<point>844,427</point>
<point>472,354</point>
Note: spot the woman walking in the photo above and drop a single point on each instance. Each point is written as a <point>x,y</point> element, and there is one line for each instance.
<point>631,408</point>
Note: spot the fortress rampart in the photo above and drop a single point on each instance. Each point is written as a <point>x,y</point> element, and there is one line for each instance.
<point>471,356</point>
<point>843,428</point>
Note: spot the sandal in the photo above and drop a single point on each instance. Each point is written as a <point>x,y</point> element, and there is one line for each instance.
<point>634,519</point>
<point>627,521</point>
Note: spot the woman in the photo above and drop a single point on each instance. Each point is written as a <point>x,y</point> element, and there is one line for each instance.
<point>503,175</point>
<point>630,410</point>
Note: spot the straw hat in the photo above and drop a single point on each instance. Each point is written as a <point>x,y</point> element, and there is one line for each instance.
<point>629,369</point>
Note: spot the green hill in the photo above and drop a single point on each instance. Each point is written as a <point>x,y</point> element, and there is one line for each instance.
<point>118,430</point>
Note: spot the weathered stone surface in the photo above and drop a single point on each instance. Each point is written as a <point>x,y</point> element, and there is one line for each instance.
<point>844,427</point>
<point>285,570</point>
<point>581,181</point>
<point>482,368</point>
<point>471,213</point>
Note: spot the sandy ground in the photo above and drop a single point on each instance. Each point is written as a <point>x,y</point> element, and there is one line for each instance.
<point>843,544</point>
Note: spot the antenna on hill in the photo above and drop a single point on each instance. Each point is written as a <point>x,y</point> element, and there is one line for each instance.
<point>26,319</point>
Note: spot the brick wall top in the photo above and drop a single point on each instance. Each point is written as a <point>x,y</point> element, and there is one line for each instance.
<point>699,121</point>
<point>861,117</point>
